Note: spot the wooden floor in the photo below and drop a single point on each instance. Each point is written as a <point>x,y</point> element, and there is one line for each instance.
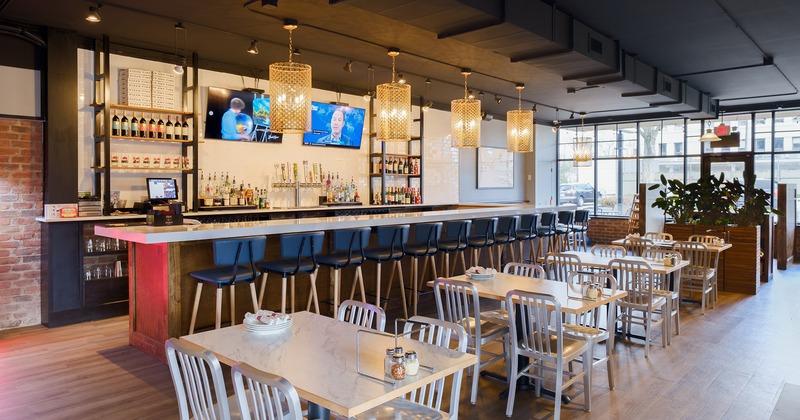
<point>731,363</point>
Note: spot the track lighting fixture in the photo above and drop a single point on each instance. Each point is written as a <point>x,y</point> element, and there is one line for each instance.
<point>556,123</point>
<point>253,47</point>
<point>296,52</point>
<point>572,115</point>
<point>401,79</point>
<point>180,62</point>
<point>348,67</point>
<point>370,83</point>
<point>427,106</point>
<point>94,13</point>
<point>498,99</point>
<point>480,95</point>
<point>470,95</point>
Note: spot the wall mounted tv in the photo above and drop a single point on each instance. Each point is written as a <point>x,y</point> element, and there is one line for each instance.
<point>335,125</point>
<point>238,116</point>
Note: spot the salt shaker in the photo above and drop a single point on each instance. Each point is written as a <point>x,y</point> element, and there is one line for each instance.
<point>387,361</point>
<point>412,363</point>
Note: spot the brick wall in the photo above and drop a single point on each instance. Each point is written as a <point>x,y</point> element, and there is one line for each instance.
<point>604,230</point>
<point>20,238</point>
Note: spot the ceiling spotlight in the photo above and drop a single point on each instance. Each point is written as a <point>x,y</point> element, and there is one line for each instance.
<point>296,52</point>
<point>368,96</point>
<point>534,108</point>
<point>556,123</point>
<point>572,115</point>
<point>498,99</point>
<point>253,47</point>
<point>480,94</point>
<point>348,67</point>
<point>94,13</point>
<point>178,69</point>
<point>470,95</point>
<point>427,106</point>
<point>400,78</point>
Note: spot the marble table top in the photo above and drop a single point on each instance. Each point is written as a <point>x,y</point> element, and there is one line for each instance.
<point>317,355</point>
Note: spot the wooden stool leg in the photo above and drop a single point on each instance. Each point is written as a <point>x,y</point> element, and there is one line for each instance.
<point>283,294</point>
<point>233,304</point>
<point>336,292</point>
<point>415,281</point>
<point>292,288</point>
<point>360,277</point>
<point>389,286</point>
<point>378,285</point>
<point>261,291</point>
<point>463,262</point>
<point>313,277</point>
<point>218,320</point>
<point>402,287</point>
<point>253,296</point>
<point>196,304</point>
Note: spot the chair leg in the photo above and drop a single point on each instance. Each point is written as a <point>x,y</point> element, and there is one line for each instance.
<point>588,364</point>
<point>313,277</point>
<point>512,385</point>
<point>415,281</point>
<point>233,304</point>
<point>196,304</point>
<point>476,373</point>
<point>336,276</point>
<point>253,296</point>
<point>218,317</point>
<point>491,259</point>
<point>558,390</point>
<point>378,285</point>
<point>283,294</point>
<point>463,262</point>
<point>609,364</point>
<point>261,291</point>
<point>402,288</point>
<point>389,286</point>
<point>292,290</point>
<point>360,277</point>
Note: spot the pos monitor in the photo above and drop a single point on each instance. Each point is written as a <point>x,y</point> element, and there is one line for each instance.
<point>162,190</point>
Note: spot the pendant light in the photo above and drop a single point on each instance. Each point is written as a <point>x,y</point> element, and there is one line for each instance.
<point>709,135</point>
<point>465,118</point>
<point>180,62</point>
<point>520,130</point>
<point>394,107</point>
<point>370,82</point>
<point>583,147</point>
<point>290,92</point>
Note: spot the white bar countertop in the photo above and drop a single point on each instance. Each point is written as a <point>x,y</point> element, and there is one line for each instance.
<point>165,234</point>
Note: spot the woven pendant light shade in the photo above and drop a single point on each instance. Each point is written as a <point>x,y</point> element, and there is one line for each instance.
<point>520,129</point>
<point>465,119</point>
<point>394,108</point>
<point>582,154</point>
<point>290,93</point>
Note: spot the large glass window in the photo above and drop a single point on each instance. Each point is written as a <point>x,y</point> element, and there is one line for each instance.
<point>632,153</point>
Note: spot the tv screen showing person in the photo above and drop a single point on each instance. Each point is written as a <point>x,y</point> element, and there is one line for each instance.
<point>235,124</point>
<point>335,125</point>
<point>238,116</point>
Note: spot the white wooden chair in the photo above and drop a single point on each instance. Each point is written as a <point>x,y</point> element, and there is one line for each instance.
<point>266,396</point>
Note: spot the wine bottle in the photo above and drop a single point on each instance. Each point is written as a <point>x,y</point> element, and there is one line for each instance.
<point>142,126</point>
<point>160,127</point>
<point>151,127</point>
<point>125,126</point>
<point>184,130</point>
<point>115,124</point>
<point>169,131</point>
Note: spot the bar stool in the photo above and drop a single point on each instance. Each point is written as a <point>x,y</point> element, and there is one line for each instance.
<point>391,247</point>
<point>425,245</point>
<point>527,232</point>
<point>566,218</point>
<point>579,229</point>
<point>348,249</point>
<point>234,259</point>
<point>482,237</point>
<point>546,231</point>
<point>454,241</point>
<point>298,253</point>
<point>505,237</point>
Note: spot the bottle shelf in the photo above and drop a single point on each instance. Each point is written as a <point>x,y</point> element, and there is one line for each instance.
<point>378,175</point>
<point>99,253</point>
<point>135,169</point>
<point>395,155</point>
<point>149,139</point>
<point>107,278</point>
<point>150,110</point>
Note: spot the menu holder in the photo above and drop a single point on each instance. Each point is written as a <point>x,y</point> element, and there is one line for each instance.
<point>395,337</point>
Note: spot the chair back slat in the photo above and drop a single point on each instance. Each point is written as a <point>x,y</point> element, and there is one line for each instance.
<point>524,270</point>
<point>658,236</point>
<point>592,318</point>
<point>612,251</point>
<point>540,333</point>
<point>362,314</point>
<point>636,246</point>
<point>635,277</point>
<point>559,265</point>
<point>457,302</point>
<point>199,384</point>
<point>264,396</point>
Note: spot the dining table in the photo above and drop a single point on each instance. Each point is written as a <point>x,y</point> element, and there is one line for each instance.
<point>716,248</point>
<point>334,365</point>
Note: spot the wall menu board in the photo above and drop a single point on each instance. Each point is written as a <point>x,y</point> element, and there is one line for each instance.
<point>495,168</point>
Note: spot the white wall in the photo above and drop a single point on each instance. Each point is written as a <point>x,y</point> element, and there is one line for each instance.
<point>545,170</point>
<point>22,92</point>
<point>493,134</point>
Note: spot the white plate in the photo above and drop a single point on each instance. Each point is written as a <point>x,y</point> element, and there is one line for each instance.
<point>263,328</point>
<point>473,276</point>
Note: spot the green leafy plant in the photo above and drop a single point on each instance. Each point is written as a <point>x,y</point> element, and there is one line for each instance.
<point>715,203</point>
<point>677,199</point>
<point>754,202</point>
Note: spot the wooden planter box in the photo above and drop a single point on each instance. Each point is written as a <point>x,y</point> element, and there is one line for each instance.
<point>739,268</point>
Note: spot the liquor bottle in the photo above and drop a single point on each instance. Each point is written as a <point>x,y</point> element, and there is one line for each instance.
<point>142,126</point>
<point>400,166</point>
<point>125,128</point>
<point>151,127</point>
<point>395,165</point>
<point>406,166</point>
<point>115,124</point>
<point>169,130</point>
<point>380,165</point>
<point>160,127</point>
<point>201,193</point>
<point>134,126</point>
<point>184,130</point>
<point>416,166</point>
<point>374,166</point>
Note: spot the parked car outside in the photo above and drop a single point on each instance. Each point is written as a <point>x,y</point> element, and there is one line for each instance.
<point>576,193</point>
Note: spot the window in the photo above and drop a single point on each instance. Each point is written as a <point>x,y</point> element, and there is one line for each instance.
<point>678,148</point>
<point>760,144</point>
<point>778,144</point>
<point>663,149</point>
<point>796,143</point>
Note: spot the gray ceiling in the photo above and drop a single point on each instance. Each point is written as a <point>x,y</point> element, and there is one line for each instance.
<point>610,59</point>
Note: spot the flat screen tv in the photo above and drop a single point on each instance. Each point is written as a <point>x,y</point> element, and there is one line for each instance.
<point>335,125</point>
<point>238,116</point>
<point>162,189</point>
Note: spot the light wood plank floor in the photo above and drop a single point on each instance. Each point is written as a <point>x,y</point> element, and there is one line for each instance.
<point>731,363</point>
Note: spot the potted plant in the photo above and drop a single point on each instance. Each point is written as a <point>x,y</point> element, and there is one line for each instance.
<point>714,202</point>
<point>754,204</point>
<point>677,199</point>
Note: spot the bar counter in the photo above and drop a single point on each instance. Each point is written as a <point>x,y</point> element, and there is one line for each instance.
<point>160,258</point>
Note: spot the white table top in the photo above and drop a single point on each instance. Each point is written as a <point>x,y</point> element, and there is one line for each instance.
<point>670,244</point>
<point>317,355</point>
<point>570,298</point>
<point>164,234</point>
<point>590,260</point>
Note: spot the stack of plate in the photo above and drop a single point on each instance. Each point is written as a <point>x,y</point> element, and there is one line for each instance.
<point>255,326</point>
